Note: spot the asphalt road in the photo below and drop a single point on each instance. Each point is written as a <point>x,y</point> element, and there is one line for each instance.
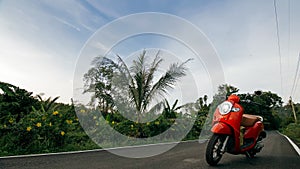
<point>277,153</point>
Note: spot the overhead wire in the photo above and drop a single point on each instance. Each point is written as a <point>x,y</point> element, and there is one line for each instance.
<point>278,44</point>
<point>289,33</point>
<point>296,78</point>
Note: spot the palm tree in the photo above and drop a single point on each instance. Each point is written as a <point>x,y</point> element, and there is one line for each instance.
<point>142,89</point>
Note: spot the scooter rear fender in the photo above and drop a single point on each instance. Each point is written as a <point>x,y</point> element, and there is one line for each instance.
<point>221,128</point>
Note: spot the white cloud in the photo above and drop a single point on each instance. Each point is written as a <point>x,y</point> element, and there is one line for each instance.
<point>24,65</point>
<point>105,8</point>
<point>67,23</point>
<point>244,34</point>
<point>37,52</point>
<point>47,36</point>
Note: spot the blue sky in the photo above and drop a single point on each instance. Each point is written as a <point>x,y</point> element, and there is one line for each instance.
<point>41,40</point>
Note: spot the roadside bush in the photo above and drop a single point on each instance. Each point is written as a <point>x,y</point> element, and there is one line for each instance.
<point>41,131</point>
<point>293,131</point>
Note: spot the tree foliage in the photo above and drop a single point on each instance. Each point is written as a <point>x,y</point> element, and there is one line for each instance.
<point>15,102</point>
<point>98,81</point>
<point>31,124</point>
<point>264,105</point>
<point>118,82</point>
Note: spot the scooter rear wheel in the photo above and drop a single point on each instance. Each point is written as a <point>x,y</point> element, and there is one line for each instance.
<point>213,150</point>
<point>251,153</point>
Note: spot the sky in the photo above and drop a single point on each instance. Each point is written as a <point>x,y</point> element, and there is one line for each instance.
<point>42,41</point>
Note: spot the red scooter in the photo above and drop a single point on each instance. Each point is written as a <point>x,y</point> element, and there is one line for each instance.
<point>234,132</point>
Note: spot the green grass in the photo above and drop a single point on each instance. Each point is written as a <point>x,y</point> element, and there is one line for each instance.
<point>293,132</point>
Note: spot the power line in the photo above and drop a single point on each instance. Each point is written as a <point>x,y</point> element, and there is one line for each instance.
<point>289,32</point>
<point>278,44</point>
<point>296,78</point>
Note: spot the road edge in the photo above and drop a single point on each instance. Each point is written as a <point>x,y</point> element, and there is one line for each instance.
<point>296,148</point>
<point>95,150</point>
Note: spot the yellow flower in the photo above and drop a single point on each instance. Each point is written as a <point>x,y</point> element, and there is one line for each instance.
<point>69,121</point>
<point>157,123</point>
<point>113,122</point>
<point>55,113</point>
<point>11,120</point>
<point>38,124</point>
<point>148,123</point>
<point>82,111</point>
<point>95,117</point>
<point>62,133</point>
<point>131,126</point>
<point>28,128</point>
<point>4,126</point>
<point>50,124</point>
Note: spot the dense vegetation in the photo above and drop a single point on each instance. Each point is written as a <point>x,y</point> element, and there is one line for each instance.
<point>30,124</point>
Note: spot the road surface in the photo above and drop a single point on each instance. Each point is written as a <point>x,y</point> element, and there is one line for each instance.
<point>277,154</point>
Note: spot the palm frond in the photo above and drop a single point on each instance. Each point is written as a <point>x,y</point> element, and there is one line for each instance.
<point>50,104</point>
<point>139,65</point>
<point>156,108</point>
<point>174,105</point>
<point>149,78</point>
<point>131,83</point>
<point>168,80</point>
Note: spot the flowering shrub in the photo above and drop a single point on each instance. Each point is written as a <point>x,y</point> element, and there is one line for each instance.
<point>43,132</point>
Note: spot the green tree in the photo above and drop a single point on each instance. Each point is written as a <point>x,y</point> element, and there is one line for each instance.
<point>15,102</point>
<point>98,81</point>
<point>142,88</point>
<point>266,106</point>
<point>202,112</point>
<point>224,91</point>
<point>170,112</point>
<point>135,83</point>
<point>136,90</point>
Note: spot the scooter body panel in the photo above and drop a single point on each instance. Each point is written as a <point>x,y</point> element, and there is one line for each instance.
<point>252,133</point>
<point>226,126</point>
<point>229,124</point>
<point>222,128</point>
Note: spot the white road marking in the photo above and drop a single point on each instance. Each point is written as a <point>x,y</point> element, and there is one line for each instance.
<point>95,150</point>
<point>292,143</point>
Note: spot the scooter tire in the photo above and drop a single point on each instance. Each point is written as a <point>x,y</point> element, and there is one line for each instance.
<point>213,149</point>
<point>250,154</point>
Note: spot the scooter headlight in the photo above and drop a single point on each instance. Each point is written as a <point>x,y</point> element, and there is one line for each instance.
<point>225,107</point>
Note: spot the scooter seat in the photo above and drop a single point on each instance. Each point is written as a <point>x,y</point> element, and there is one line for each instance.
<point>249,120</point>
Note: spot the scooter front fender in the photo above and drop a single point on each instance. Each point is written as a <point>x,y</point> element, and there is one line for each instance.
<point>221,128</point>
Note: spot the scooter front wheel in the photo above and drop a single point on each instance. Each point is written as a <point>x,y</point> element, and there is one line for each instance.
<point>213,150</point>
